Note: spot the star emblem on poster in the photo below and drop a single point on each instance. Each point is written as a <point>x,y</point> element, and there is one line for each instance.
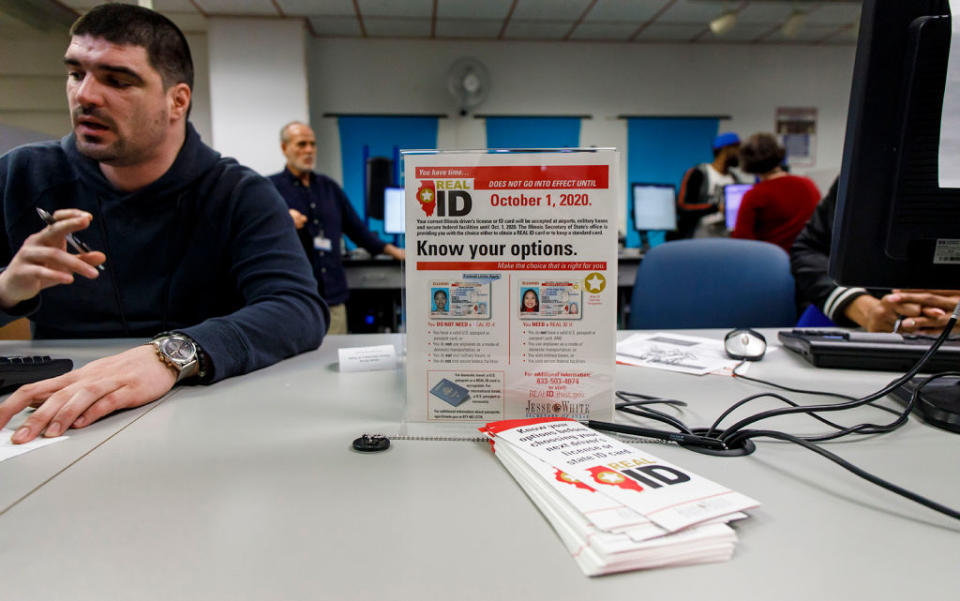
<point>595,283</point>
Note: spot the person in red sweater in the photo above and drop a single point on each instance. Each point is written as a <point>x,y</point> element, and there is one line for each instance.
<point>779,205</point>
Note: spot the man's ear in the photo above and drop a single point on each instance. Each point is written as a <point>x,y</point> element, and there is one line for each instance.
<point>179,95</point>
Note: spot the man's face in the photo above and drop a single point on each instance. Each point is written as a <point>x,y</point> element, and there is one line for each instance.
<point>118,105</point>
<point>732,155</point>
<point>300,149</point>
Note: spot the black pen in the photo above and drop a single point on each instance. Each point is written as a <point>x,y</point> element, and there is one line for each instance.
<point>74,243</point>
<point>678,437</point>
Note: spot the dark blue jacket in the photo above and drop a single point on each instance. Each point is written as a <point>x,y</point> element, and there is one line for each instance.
<point>208,250</point>
<point>329,214</point>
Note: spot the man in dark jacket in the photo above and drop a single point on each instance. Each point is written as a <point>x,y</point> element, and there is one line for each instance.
<point>191,248</point>
<point>876,310</point>
<point>322,214</point>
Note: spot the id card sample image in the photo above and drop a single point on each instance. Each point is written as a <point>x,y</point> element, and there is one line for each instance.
<point>439,299</point>
<point>470,300</point>
<point>554,299</point>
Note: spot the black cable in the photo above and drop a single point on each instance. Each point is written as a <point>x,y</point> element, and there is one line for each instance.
<point>642,409</point>
<point>728,432</point>
<point>736,435</point>
<point>855,470</point>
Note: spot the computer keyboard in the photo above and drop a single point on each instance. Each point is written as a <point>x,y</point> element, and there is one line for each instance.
<point>869,350</point>
<point>17,371</point>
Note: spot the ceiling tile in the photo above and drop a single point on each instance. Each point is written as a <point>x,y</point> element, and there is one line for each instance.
<point>769,13</point>
<point>397,28</point>
<point>237,7</point>
<point>625,10</point>
<point>691,11</point>
<point>471,9</point>
<point>335,26</point>
<point>536,30</point>
<point>808,33</point>
<point>163,6</point>
<point>299,8</point>
<point>666,32</point>
<point>178,6</point>
<point>604,31</point>
<point>839,14</point>
<point>188,22</point>
<point>741,32</point>
<point>550,10</point>
<point>469,28</point>
<point>392,8</point>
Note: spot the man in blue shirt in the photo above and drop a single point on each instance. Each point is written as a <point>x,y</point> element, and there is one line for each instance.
<point>190,248</point>
<point>322,214</point>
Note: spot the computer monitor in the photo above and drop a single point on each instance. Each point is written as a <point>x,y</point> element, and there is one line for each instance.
<point>732,197</point>
<point>895,225</point>
<point>393,211</point>
<point>654,207</point>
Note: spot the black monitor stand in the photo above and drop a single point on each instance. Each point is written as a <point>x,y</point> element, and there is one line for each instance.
<point>938,403</point>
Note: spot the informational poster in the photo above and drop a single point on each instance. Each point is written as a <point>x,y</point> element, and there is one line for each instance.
<point>797,128</point>
<point>511,284</point>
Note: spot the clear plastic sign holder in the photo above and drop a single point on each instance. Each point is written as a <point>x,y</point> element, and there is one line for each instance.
<point>509,286</point>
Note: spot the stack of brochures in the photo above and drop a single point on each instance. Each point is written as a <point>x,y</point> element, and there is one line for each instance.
<point>615,507</point>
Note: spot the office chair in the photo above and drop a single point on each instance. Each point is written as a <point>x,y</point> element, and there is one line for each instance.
<point>713,283</point>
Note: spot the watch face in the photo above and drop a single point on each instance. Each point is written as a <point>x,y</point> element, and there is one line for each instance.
<point>178,349</point>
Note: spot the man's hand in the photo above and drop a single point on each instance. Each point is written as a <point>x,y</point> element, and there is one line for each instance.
<point>397,253</point>
<point>923,310</point>
<point>871,314</point>
<point>43,260</point>
<point>81,397</point>
<point>919,310</point>
<point>299,219</point>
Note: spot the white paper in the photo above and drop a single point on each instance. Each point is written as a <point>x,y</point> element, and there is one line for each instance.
<point>949,159</point>
<point>8,449</point>
<point>511,284</point>
<point>676,352</point>
<point>368,358</point>
<point>671,497</point>
<point>601,551</point>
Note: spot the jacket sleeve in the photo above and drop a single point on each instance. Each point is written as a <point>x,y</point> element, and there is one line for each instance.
<point>690,192</point>
<point>809,258</point>
<point>283,313</point>
<point>29,306</point>
<point>354,226</point>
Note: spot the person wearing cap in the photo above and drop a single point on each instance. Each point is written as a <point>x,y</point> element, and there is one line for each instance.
<point>701,192</point>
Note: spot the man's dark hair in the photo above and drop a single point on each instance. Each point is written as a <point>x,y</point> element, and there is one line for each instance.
<point>761,153</point>
<point>128,25</point>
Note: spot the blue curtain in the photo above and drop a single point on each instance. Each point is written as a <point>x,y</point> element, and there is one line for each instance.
<point>533,132</point>
<point>659,151</point>
<point>362,137</point>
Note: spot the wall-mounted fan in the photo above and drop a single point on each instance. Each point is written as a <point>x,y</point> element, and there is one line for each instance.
<point>469,82</point>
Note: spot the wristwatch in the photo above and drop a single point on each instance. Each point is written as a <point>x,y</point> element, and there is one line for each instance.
<point>178,352</point>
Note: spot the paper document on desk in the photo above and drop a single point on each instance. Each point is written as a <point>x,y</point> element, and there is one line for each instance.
<point>627,511</point>
<point>676,352</point>
<point>8,449</point>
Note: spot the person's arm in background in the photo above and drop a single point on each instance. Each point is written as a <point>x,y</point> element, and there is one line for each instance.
<point>921,310</point>
<point>354,227</point>
<point>747,217</point>
<point>690,189</point>
<point>809,259</point>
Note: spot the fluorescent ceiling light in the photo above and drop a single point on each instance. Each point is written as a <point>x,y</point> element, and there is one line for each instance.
<point>723,23</point>
<point>791,27</point>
